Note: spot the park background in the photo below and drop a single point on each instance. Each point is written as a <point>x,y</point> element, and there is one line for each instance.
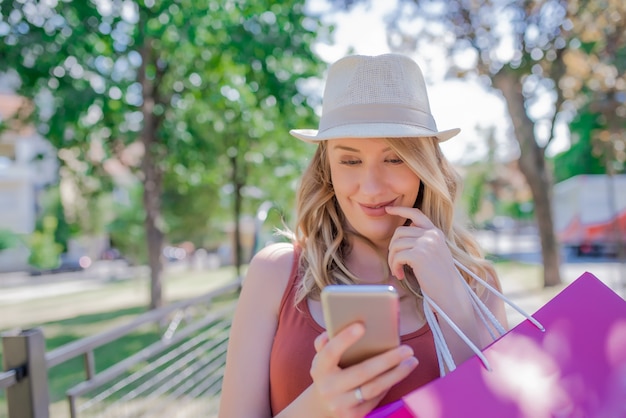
<point>148,140</point>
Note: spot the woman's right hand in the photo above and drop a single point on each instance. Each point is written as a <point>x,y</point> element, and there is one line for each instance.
<point>354,391</point>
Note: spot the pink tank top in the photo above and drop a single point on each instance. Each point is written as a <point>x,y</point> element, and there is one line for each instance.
<point>293,352</point>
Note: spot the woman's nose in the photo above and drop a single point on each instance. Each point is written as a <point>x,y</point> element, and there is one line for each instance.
<point>372,181</point>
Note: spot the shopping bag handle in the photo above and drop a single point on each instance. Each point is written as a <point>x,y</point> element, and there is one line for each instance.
<point>444,356</point>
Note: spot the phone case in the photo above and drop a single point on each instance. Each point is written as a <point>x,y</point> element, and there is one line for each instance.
<point>376,306</point>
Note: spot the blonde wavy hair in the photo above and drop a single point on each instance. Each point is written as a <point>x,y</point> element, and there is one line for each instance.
<point>324,242</point>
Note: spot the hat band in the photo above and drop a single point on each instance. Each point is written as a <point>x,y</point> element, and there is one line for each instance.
<point>376,113</point>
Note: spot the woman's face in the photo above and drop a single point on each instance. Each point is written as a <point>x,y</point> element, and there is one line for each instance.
<point>368,175</point>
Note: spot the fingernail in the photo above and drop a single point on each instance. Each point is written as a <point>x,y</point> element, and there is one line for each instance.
<point>357,329</point>
<point>409,362</point>
<point>405,350</point>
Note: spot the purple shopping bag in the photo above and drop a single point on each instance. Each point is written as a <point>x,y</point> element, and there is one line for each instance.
<point>575,369</point>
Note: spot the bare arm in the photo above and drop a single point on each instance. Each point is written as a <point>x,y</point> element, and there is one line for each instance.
<point>245,389</point>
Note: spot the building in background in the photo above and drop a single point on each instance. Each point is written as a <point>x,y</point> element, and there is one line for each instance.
<point>28,164</point>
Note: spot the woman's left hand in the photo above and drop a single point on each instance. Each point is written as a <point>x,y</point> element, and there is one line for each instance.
<point>422,246</point>
<point>356,390</point>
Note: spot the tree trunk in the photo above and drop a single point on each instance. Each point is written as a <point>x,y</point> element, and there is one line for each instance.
<point>152,178</point>
<point>533,166</point>
<point>237,212</point>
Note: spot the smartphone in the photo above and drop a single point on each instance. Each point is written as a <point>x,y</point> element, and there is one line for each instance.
<point>375,306</point>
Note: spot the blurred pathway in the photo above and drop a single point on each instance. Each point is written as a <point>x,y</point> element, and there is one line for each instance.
<point>20,286</point>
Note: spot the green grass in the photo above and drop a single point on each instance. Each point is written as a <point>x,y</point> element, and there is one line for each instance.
<point>62,332</point>
<point>519,277</point>
<point>69,317</point>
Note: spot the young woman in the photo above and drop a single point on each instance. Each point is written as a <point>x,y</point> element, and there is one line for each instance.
<point>376,205</point>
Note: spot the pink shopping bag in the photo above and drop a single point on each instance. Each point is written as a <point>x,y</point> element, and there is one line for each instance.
<point>575,369</point>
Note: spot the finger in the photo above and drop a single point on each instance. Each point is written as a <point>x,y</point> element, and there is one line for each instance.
<point>339,389</point>
<point>411,243</point>
<point>403,241</point>
<point>405,238</point>
<point>337,345</point>
<point>372,385</point>
<point>416,216</point>
<point>320,341</point>
<point>351,404</point>
<point>379,386</point>
<point>371,368</point>
<point>397,270</point>
<point>410,233</point>
<point>400,249</point>
<point>423,244</point>
<point>362,402</point>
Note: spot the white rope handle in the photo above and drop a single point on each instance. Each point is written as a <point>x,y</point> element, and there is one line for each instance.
<point>484,318</point>
<point>444,356</point>
<point>500,295</point>
<point>446,351</point>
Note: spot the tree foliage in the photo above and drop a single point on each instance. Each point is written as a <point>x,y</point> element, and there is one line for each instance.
<point>8,239</point>
<point>192,98</point>
<point>580,158</point>
<point>595,82</point>
<point>45,251</point>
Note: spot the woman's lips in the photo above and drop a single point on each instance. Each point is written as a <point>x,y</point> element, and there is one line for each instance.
<point>377,209</point>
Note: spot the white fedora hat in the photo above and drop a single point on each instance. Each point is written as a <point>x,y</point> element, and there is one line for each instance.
<point>375,97</point>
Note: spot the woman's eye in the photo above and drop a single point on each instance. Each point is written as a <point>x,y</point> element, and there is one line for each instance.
<point>349,162</point>
<point>395,160</point>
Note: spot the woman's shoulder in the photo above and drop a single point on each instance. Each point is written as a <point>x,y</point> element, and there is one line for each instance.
<point>273,264</point>
<point>278,255</point>
<point>269,273</point>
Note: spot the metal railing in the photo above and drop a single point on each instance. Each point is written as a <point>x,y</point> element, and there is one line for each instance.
<point>178,374</point>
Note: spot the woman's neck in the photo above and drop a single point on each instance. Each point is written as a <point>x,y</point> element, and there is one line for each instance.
<point>368,263</point>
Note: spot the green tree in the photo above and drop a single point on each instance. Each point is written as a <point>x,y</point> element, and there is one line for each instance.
<point>127,230</point>
<point>595,81</point>
<point>7,239</point>
<point>167,89</point>
<point>51,206</point>
<point>44,251</point>
<point>580,157</point>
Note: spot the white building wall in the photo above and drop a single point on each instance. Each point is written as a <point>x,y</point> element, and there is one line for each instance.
<point>17,200</point>
<point>27,164</point>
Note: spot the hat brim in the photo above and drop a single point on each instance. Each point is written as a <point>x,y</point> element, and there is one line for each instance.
<point>374,130</point>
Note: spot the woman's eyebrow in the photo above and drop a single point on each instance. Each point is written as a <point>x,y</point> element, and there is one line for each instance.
<point>345,148</point>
